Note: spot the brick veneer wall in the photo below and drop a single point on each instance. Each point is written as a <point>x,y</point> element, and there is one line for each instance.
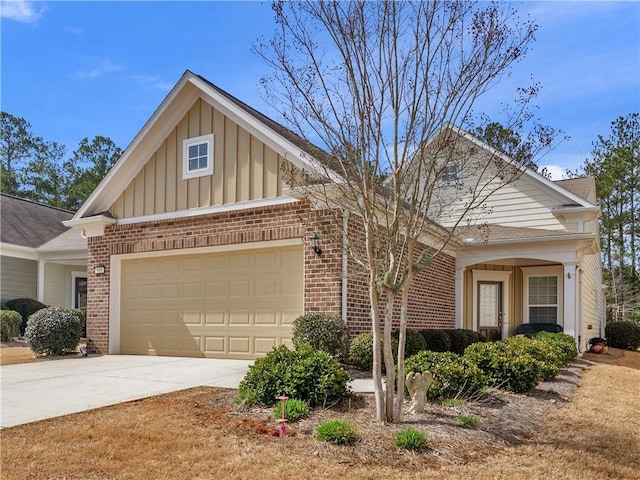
<point>431,296</point>
<point>322,274</point>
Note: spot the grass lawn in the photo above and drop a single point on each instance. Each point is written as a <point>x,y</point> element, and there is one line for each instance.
<point>564,432</point>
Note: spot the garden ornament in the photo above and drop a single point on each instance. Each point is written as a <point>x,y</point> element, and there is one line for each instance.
<point>418,384</point>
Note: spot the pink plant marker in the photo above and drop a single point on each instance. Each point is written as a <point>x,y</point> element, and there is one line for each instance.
<point>283,421</point>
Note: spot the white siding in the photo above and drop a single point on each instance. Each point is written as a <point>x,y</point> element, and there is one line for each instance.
<point>18,278</point>
<point>593,307</point>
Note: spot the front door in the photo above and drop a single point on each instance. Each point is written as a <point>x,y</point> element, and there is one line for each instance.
<point>490,310</point>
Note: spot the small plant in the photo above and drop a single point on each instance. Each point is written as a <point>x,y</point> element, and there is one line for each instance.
<point>10,322</point>
<point>322,332</point>
<point>468,420</point>
<point>411,439</point>
<point>339,432</point>
<point>294,410</point>
<point>53,331</point>
<point>453,402</point>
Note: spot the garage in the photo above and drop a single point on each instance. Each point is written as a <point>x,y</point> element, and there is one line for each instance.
<point>232,304</point>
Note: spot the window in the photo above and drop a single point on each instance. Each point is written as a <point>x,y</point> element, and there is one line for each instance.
<point>449,173</point>
<point>543,299</point>
<point>197,156</point>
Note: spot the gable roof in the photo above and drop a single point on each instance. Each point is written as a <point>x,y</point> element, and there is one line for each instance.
<point>564,192</point>
<point>30,224</point>
<point>584,187</point>
<point>189,88</point>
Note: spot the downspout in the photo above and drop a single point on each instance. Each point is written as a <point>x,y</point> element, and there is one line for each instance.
<point>345,263</point>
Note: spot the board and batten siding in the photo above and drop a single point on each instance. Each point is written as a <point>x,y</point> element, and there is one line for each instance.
<point>244,169</point>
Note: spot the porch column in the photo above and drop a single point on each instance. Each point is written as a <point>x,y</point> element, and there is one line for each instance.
<point>40,281</point>
<point>570,292</point>
<point>460,297</point>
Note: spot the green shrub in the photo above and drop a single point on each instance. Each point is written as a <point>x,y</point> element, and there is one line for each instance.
<point>623,335</point>
<point>458,340</point>
<point>304,373</point>
<point>411,439</point>
<point>10,322</point>
<point>294,410</point>
<point>322,332</point>
<point>563,344</point>
<point>25,307</point>
<point>414,342</point>
<point>505,365</point>
<point>337,431</point>
<point>473,336</point>
<point>468,420</point>
<point>53,331</point>
<point>452,376</point>
<point>82,315</point>
<point>361,352</point>
<point>550,359</point>
<point>436,340</point>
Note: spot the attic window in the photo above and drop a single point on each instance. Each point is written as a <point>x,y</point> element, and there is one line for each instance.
<point>449,173</point>
<point>197,156</point>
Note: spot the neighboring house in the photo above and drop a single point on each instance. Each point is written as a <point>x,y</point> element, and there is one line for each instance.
<point>533,256</point>
<point>197,246</point>
<point>40,258</point>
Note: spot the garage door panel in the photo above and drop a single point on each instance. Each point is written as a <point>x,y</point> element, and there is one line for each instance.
<point>232,304</point>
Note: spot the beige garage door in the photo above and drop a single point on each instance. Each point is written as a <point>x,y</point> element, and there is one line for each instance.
<point>222,305</point>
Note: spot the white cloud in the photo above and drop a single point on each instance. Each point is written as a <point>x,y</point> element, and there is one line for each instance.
<point>103,68</point>
<point>74,30</point>
<point>22,11</point>
<point>557,172</point>
<point>152,82</point>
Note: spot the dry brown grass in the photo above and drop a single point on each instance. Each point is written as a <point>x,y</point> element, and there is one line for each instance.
<point>561,432</point>
<point>10,355</point>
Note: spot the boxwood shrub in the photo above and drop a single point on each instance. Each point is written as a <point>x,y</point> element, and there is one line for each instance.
<point>414,342</point>
<point>361,352</point>
<point>549,358</point>
<point>506,365</point>
<point>304,373</point>
<point>453,376</point>
<point>322,332</point>
<point>25,307</point>
<point>10,322</point>
<point>53,331</point>
<point>437,340</point>
<point>563,344</point>
<point>623,335</point>
<point>458,340</point>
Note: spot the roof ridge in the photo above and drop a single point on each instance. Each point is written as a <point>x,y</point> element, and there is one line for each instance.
<point>33,202</point>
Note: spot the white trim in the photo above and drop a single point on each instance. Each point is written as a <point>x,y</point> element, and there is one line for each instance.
<point>192,212</point>
<point>345,264</point>
<point>548,271</point>
<point>493,276</point>
<point>550,238</point>
<point>75,274</point>
<point>18,251</point>
<point>207,140</point>
<point>40,281</point>
<point>115,272</point>
<point>91,226</point>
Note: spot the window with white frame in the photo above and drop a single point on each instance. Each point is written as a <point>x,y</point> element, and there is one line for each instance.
<point>197,156</point>
<point>543,299</point>
<point>449,173</point>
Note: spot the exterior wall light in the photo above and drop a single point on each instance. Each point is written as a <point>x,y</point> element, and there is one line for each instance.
<point>314,244</point>
<point>98,269</point>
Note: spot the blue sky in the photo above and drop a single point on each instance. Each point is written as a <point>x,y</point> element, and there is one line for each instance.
<point>80,69</point>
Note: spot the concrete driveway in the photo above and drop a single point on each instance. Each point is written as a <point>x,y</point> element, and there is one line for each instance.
<point>40,390</point>
<point>36,391</point>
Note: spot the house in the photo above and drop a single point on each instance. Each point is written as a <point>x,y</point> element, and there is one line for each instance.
<point>533,256</point>
<point>40,258</point>
<point>197,245</point>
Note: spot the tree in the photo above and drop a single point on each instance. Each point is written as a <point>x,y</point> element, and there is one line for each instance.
<point>90,163</point>
<point>44,180</point>
<point>615,165</point>
<point>374,83</point>
<point>510,141</point>
<point>17,146</point>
